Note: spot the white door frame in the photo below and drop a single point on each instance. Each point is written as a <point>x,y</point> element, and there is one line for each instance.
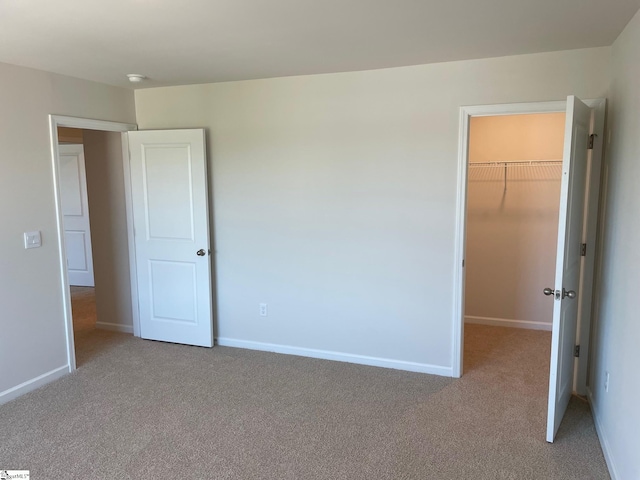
<point>593,190</point>
<point>56,121</point>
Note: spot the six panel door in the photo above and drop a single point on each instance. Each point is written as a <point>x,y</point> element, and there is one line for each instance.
<point>171,230</point>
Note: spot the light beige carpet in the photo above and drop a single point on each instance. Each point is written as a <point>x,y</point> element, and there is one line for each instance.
<point>138,409</point>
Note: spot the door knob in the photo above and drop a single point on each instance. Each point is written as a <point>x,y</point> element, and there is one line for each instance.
<point>548,291</point>
<point>568,293</point>
<point>201,252</point>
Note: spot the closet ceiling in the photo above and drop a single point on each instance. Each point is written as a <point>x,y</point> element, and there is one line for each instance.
<point>199,41</point>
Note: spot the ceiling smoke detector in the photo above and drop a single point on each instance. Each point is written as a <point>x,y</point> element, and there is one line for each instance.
<point>135,77</point>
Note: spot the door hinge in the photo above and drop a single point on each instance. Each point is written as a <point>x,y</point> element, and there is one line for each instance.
<point>583,250</point>
<point>591,139</point>
<point>576,351</point>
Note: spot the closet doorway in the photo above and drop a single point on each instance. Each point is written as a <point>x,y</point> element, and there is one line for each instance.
<point>513,201</point>
<point>494,351</point>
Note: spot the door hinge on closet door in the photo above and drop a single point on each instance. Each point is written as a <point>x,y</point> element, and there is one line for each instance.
<point>591,140</point>
<point>576,351</point>
<point>583,249</point>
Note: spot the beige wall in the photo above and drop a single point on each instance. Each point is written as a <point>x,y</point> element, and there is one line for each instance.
<point>31,314</point>
<point>512,234</point>
<point>617,329</point>
<point>515,138</point>
<point>334,196</point>
<point>105,185</point>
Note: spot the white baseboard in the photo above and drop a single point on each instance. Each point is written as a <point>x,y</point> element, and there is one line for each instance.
<point>337,356</point>
<point>504,322</point>
<point>115,327</point>
<point>32,384</point>
<point>604,443</point>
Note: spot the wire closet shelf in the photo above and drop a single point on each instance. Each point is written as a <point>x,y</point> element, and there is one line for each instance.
<point>515,163</point>
<point>505,165</point>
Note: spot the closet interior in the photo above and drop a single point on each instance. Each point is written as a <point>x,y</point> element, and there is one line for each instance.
<point>513,195</point>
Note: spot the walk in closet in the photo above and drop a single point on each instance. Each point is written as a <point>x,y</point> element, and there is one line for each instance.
<point>515,169</point>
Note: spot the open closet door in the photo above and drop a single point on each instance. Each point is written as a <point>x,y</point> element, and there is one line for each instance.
<point>568,262</point>
<point>171,230</point>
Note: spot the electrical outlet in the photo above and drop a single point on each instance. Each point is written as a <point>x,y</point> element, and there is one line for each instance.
<point>263,309</point>
<point>606,382</point>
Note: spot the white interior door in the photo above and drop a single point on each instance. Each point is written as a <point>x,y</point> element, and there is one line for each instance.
<point>171,229</point>
<point>75,212</point>
<point>568,261</point>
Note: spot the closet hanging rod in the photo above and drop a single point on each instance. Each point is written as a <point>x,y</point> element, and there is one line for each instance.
<point>524,163</point>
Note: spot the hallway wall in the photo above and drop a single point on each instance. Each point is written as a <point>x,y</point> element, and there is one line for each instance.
<point>105,185</point>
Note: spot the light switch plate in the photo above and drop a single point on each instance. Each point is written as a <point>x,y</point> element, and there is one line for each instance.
<point>32,239</point>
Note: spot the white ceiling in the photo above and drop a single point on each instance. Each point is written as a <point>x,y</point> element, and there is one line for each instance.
<point>177,42</point>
